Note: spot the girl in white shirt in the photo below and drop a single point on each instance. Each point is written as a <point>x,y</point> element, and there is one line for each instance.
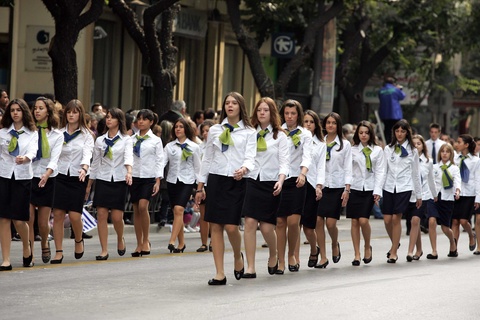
<point>402,178</point>
<point>294,189</point>
<point>112,172</point>
<point>315,177</point>
<point>265,184</point>
<point>448,187</point>
<point>50,142</point>
<point>183,156</point>
<point>147,172</point>
<point>18,146</point>
<point>72,178</point>
<point>469,166</point>
<point>229,156</point>
<point>336,189</point>
<point>368,176</point>
<point>414,214</point>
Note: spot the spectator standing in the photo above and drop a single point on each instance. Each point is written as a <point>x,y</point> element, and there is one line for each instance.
<point>390,110</point>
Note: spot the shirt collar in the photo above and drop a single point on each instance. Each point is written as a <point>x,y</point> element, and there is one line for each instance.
<point>239,123</point>
<point>269,127</point>
<point>25,130</point>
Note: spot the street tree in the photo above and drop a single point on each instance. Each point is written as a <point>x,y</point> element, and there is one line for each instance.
<point>70,18</point>
<point>152,32</point>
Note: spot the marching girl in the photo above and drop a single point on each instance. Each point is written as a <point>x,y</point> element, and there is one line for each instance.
<point>336,190</point>
<point>402,178</point>
<point>294,189</point>
<point>18,146</point>
<point>229,156</point>
<point>448,187</point>
<point>72,179</point>
<point>469,166</point>
<point>204,128</point>
<point>414,214</point>
<point>315,177</point>
<point>368,176</point>
<point>50,142</point>
<point>147,172</point>
<point>264,184</point>
<point>112,171</point>
<point>183,156</point>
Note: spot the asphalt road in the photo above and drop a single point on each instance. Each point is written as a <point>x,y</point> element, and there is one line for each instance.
<point>174,286</point>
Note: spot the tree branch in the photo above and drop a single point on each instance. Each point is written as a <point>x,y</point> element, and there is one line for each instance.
<point>53,8</point>
<point>92,15</point>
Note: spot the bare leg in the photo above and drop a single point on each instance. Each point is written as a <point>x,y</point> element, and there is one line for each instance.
<point>5,240</point>
<point>102,227</point>
<point>218,248</point>
<point>414,235</point>
<point>311,236</point>
<point>58,221</point>
<point>77,227</point>
<point>333,232</point>
<point>119,226</point>
<point>235,238</point>
<point>449,233</point>
<point>250,239</point>
<point>43,226</point>
<point>477,228</point>
<point>387,219</point>
<point>203,225</point>
<point>177,227</point>
<point>270,236</point>
<point>456,228</point>
<point>432,233</point>
<point>355,232</point>
<point>396,234</point>
<point>281,241</point>
<point>293,223</point>
<point>367,233</point>
<point>466,225</point>
<point>145,221</point>
<point>320,230</point>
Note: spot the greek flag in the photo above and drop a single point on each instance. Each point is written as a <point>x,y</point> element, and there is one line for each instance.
<point>89,222</point>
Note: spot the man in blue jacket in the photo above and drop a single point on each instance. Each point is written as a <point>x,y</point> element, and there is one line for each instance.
<point>390,110</point>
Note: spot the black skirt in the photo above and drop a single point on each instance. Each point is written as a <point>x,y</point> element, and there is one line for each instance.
<point>309,217</point>
<point>293,198</point>
<point>179,193</point>
<point>463,208</point>
<point>15,199</point>
<point>442,212</point>
<point>412,210</point>
<point>43,197</point>
<point>69,193</point>
<point>110,195</point>
<point>224,201</point>
<point>360,204</point>
<point>260,203</point>
<point>330,206</point>
<point>395,203</point>
<point>141,188</point>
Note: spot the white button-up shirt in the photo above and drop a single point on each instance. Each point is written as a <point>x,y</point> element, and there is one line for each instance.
<point>338,170</point>
<point>185,171</point>
<point>76,153</point>
<point>241,154</point>
<point>447,194</point>
<point>27,146</point>
<point>274,161</point>
<point>426,178</point>
<point>150,162</point>
<point>316,172</point>
<point>103,168</point>
<point>472,187</point>
<point>300,156</point>
<point>362,179</point>
<point>438,144</point>
<point>55,141</point>
<point>402,173</point>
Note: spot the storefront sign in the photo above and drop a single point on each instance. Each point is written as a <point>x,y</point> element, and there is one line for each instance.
<point>36,48</point>
<point>190,23</point>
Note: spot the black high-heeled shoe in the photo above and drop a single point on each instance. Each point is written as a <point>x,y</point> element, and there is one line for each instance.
<point>102,258</point>
<point>238,274</point>
<point>46,254</point>
<point>368,260</point>
<point>294,267</point>
<point>178,250</point>
<point>57,261</point>
<point>454,253</point>
<point>27,262</point>
<point>337,258</point>
<point>136,254</point>
<point>202,248</point>
<point>322,266</point>
<point>272,270</point>
<point>355,263</point>
<point>215,282</point>
<point>80,255</point>
<point>121,252</point>
<point>313,262</point>
<point>416,258</point>
<point>171,247</point>
<point>146,253</point>
<point>6,268</point>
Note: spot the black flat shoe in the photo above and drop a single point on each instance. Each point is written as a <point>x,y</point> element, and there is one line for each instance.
<point>337,258</point>
<point>238,274</point>
<point>388,253</point>
<point>46,254</point>
<point>171,247</point>
<point>102,258</point>
<point>249,275</point>
<point>409,258</point>
<point>355,263</point>
<point>203,248</point>
<point>279,271</point>
<point>273,270</point>
<point>432,257</point>
<point>416,258</point>
<point>6,268</point>
<point>57,261</point>
<point>314,261</point>
<point>120,251</point>
<point>294,268</point>
<point>145,253</point>
<point>453,254</point>
<point>472,247</point>
<point>477,253</point>
<point>178,250</point>
<point>215,282</point>
<point>136,254</point>
<point>368,260</point>
<point>391,260</point>
<point>322,266</point>
<point>80,255</point>
<point>27,262</point>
